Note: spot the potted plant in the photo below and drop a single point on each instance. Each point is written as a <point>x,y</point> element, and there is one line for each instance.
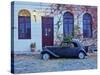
<point>33,46</point>
<point>68,39</point>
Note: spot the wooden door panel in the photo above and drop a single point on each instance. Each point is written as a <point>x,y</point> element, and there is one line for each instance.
<point>47,31</point>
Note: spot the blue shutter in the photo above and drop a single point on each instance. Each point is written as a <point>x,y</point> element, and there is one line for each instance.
<point>28,27</point>
<point>21,27</point>
<point>87,25</point>
<point>68,23</point>
<point>24,27</point>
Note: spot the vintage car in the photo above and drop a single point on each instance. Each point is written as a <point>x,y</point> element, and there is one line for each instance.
<point>74,49</point>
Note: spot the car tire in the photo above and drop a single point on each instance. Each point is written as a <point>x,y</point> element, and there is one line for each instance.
<point>81,55</point>
<point>45,56</point>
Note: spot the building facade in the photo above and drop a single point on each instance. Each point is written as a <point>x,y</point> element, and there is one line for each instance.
<point>44,23</point>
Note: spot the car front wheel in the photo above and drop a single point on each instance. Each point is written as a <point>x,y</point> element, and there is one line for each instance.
<point>45,56</point>
<point>81,55</point>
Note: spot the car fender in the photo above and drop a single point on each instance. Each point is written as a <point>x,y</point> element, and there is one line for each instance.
<point>50,52</point>
<point>83,52</point>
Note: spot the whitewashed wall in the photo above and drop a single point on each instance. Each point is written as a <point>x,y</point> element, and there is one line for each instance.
<point>23,45</point>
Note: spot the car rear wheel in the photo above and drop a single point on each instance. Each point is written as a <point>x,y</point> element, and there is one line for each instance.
<point>45,56</point>
<point>81,55</point>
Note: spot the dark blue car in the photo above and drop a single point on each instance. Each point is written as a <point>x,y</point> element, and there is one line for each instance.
<point>72,49</point>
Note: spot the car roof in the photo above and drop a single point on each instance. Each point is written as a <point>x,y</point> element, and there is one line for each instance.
<point>75,40</point>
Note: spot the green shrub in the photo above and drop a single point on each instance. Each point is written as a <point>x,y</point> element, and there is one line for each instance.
<point>68,39</point>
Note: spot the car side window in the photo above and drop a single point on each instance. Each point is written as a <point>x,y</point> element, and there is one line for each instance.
<point>64,45</point>
<point>67,45</point>
<point>71,45</point>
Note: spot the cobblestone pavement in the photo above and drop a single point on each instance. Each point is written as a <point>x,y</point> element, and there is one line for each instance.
<point>32,64</point>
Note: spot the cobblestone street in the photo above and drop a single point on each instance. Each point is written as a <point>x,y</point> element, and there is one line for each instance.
<point>32,64</point>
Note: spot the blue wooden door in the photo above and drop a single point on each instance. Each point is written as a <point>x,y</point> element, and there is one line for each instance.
<point>68,24</point>
<point>47,31</point>
<point>87,25</point>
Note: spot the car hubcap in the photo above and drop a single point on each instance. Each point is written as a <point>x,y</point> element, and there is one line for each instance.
<point>81,55</point>
<point>46,56</point>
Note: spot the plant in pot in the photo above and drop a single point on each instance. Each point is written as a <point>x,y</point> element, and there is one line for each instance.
<point>33,46</point>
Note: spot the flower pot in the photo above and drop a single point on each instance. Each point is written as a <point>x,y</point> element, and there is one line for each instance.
<point>32,49</point>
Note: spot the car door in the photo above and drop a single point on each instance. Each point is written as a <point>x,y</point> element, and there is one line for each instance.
<point>64,50</point>
<point>58,51</point>
<point>70,51</point>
